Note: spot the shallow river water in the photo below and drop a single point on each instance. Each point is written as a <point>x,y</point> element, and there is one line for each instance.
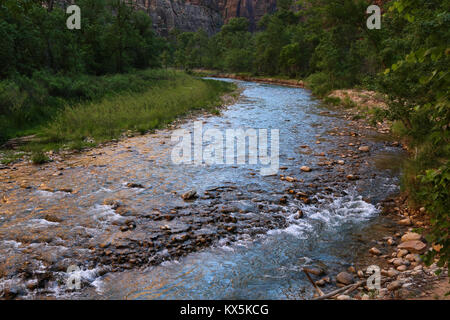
<point>64,214</point>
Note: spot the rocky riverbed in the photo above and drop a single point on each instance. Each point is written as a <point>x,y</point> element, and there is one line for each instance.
<point>123,210</point>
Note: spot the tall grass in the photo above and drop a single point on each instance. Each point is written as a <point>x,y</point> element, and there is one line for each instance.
<point>158,105</point>
<point>28,103</point>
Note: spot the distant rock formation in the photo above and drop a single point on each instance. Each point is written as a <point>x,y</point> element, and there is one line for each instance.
<point>192,15</point>
<point>209,15</point>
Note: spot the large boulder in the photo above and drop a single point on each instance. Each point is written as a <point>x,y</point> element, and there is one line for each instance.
<point>414,246</point>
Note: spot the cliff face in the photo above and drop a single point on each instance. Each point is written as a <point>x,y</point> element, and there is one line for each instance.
<point>209,15</point>
<point>185,15</point>
<point>253,10</point>
<point>192,15</point>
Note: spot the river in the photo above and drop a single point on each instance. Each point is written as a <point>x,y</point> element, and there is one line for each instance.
<point>243,238</point>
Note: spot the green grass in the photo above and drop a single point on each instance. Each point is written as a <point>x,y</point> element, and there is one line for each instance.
<point>88,123</point>
<point>139,102</point>
<point>39,157</point>
<point>8,156</point>
<point>27,104</point>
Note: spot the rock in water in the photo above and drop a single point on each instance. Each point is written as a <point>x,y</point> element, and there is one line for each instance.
<point>364,149</point>
<point>305,169</point>
<point>344,278</point>
<point>135,185</point>
<point>315,271</point>
<point>375,251</point>
<point>192,194</point>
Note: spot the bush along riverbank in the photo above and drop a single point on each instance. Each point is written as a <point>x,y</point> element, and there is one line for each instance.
<point>109,107</point>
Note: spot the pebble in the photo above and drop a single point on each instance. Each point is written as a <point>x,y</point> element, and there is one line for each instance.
<point>390,241</point>
<point>394,285</point>
<point>299,214</point>
<point>344,278</point>
<point>375,251</point>
<point>410,236</point>
<point>320,283</point>
<point>135,185</point>
<point>401,253</point>
<point>189,195</point>
<point>405,222</point>
<point>402,268</point>
<point>397,262</point>
<point>305,169</point>
<point>315,271</point>
<point>364,148</point>
<point>392,273</point>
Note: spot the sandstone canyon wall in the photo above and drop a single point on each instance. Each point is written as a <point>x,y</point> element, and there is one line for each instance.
<point>209,15</point>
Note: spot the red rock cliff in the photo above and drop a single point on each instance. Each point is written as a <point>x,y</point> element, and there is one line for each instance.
<point>210,15</point>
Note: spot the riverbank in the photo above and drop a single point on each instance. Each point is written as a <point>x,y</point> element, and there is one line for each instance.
<point>403,273</point>
<point>246,77</point>
<point>132,104</point>
<point>124,207</point>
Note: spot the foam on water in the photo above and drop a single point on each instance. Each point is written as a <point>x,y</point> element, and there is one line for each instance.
<point>104,213</point>
<point>41,223</point>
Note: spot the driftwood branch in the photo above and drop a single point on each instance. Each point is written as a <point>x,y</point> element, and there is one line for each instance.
<point>335,292</point>
<point>320,292</point>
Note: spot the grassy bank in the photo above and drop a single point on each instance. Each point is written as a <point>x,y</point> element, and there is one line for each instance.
<point>139,102</point>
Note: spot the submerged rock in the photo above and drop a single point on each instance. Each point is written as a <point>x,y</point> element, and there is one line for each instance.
<point>344,278</point>
<point>305,169</point>
<point>192,194</point>
<point>135,185</point>
<point>364,148</point>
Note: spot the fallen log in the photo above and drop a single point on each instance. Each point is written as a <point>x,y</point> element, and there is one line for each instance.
<point>15,142</point>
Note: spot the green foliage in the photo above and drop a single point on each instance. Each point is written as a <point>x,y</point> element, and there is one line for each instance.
<point>9,156</point>
<point>157,106</point>
<point>39,157</point>
<point>26,103</point>
<point>435,194</point>
<point>418,87</point>
<point>319,83</point>
<point>113,38</point>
